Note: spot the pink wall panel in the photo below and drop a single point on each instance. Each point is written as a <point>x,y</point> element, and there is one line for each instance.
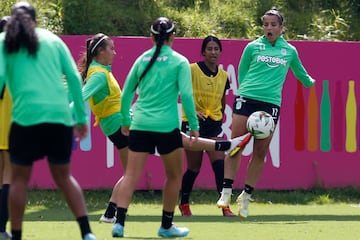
<point>316,143</point>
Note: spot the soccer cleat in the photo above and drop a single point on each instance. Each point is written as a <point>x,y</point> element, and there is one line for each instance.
<point>238,144</point>
<point>225,198</point>
<point>173,232</point>
<point>105,219</point>
<point>5,235</point>
<point>243,201</point>
<point>227,212</point>
<point>89,236</point>
<point>118,231</point>
<point>185,210</point>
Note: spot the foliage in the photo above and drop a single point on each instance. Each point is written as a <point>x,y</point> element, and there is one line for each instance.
<point>113,17</point>
<point>329,25</point>
<point>49,13</point>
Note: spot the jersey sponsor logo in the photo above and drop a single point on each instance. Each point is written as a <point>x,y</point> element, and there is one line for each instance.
<point>272,62</point>
<point>159,59</point>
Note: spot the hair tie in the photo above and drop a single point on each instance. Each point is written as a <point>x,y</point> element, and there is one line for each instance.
<point>96,44</point>
<point>167,31</point>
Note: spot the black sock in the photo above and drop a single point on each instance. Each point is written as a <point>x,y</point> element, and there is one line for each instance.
<point>222,145</point>
<point>248,189</point>
<point>167,219</point>
<point>84,225</point>
<point>121,215</point>
<point>16,234</point>
<point>4,212</point>
<point>110,210</point>
<point>187,184</point>
<point>218,168</point>
<point>228,183</point>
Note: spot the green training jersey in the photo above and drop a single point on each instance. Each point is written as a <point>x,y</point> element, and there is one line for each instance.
<point>263,69</point>
<point>97,87</point>
<point>156,107</point>
<point>36,83</point>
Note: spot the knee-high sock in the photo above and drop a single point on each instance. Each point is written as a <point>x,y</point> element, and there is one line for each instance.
<point>110,210</point>
<point>218,168</point>
<point>167,219</point>
<point>4,212</point>
<point>187,184</point>
<point>121,215</point>
<point>84,225</point>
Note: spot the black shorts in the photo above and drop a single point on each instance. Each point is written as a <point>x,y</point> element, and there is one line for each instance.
<point>207,129</point>
<point>246,106</point>
<point>118,139</point>
<point>145,141</point>
<point>30,143</point>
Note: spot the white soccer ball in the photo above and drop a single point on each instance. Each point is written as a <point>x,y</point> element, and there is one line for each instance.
<point>260,124</point>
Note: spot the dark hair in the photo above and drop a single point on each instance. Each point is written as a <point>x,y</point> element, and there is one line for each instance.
<point>4,20</point>
<point>274,12</point>
<point>210,39</point>
<point>161,29</point>
<point>20,30</point>
<point>92,46</point>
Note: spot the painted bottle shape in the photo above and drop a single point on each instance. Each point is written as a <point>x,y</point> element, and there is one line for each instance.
<point>351,113</point>
<point>338,117</point>
<point>325,118</point>
<point>85,144</point>
<point>299,112</point>
<point>313,118</point>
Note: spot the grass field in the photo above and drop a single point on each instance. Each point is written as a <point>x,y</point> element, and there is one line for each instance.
<point>275,215</point>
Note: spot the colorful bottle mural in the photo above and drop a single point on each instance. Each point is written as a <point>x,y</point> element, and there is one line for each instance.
<point>351,114</point>
<point>312,119</point>
<point>338,119</point>
<point>299,112</point>
<point>325,118</point>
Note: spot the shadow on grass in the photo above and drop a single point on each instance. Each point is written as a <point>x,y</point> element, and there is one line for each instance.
<point>48,215</point>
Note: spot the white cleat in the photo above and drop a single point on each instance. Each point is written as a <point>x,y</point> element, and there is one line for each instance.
<point>225,198</point>
<point>243,201</point>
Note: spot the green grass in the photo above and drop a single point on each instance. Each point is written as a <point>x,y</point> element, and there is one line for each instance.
<point>274,215</point>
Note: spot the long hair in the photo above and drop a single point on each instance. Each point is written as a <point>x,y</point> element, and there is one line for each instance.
<point>92,46</point>
<point>208,39</point>
<point>20,30</point>
<point>4,20</point>
<point>162,29</point>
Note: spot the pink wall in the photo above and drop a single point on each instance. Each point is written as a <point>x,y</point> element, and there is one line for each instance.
<point>304,151</point>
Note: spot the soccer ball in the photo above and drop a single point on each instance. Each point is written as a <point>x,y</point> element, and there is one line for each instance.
<point>260,124</point>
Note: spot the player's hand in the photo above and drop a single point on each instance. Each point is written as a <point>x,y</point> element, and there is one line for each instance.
<point>81,131</point>
<point>125,130</point>
<point>200,116</point>
<point>194,135</point>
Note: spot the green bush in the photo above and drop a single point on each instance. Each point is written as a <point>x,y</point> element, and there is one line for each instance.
<point>231,19</point>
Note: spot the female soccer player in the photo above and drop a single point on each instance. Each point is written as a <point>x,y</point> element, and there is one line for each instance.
<point>42,122</point>
<point>262,72</point>
<point>103,92</point>
<point>5,170</point>
<point>209,86</point>
<point>160,75</point>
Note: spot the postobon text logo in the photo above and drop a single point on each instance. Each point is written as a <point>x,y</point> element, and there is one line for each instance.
<point>272,62</point>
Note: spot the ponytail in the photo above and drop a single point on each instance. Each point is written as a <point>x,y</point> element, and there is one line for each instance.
<point>92,46</point>
<point>161,29</point>
<point>20,30</point>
